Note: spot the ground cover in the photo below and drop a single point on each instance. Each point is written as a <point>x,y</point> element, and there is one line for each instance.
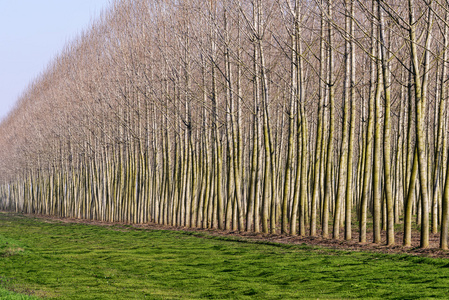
<point>62,260</point>
<point>7,295</point>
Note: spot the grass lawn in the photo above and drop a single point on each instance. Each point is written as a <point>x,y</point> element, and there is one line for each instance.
<point>77,261</point>
<point>7,295</point>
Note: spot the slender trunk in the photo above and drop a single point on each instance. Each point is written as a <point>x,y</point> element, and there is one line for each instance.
<point>330,145</point>
<point>319,132</point>
<point>367,174</point>
<point>420,138</point>
<point>387,130</point>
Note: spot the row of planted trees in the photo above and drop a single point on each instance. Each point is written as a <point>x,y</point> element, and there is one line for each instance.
<point>279,116</point>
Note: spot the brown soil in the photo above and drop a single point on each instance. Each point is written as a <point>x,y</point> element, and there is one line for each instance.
<point>352,245</point>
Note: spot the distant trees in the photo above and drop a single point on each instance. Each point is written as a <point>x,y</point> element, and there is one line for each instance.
<point>280,116</point>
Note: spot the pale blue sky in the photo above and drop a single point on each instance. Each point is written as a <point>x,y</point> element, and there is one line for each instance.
<point>32,32</point>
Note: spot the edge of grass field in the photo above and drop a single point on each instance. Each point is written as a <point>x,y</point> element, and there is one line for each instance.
<point>321,249</point>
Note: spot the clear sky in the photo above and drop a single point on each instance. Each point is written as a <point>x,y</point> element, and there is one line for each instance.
<point>32,32</point>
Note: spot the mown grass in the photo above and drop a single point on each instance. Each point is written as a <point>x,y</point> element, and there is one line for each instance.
<point>78,261</point>
<point>7,295</point>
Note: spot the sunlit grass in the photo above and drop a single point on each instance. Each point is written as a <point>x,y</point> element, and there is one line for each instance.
<point>7,295</point>
<point>78,261</point>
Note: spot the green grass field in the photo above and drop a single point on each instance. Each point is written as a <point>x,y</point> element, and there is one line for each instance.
<point>7,295</point>
<point>77,261</point>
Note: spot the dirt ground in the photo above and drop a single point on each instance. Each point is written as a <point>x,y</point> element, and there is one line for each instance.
<point>352,245</point>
